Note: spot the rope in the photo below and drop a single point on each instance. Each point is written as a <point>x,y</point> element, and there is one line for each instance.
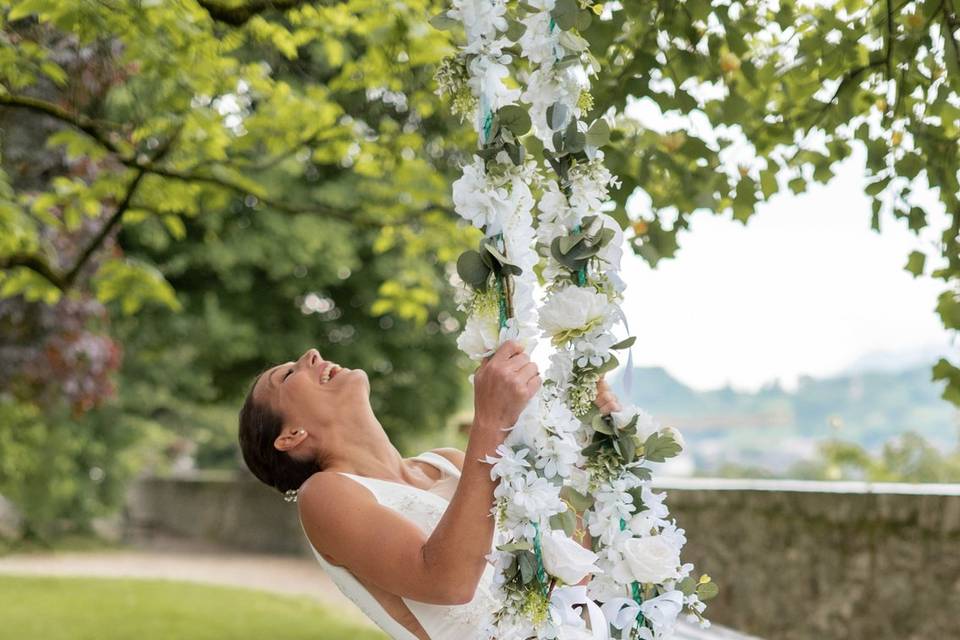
<point>502,293</point>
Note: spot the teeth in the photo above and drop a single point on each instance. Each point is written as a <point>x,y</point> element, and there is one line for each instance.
<point>328,372</point>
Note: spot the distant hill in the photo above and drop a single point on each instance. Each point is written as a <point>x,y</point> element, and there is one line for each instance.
<point>773,427</point>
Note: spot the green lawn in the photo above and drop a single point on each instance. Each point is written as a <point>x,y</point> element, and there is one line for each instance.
<point>107,609</point>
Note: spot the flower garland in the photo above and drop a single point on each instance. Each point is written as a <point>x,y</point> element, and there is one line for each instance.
<point>533,558</point>
<point>562,455</point>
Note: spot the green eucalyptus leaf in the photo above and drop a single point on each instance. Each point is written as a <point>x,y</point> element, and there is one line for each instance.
<point>707,590</point>
<point>565,13</point>
<point>611,364</point>
<point>515,29</point>
<point>599,133</point>
<point>471,268</point>
<point>557,114</point>
<point>443,22</point>
<point>628,447</point>
<point>528,566</point>
<point>592,449</point>
<point>625,344</point>
<point>577,500</point>
<point>515,118</point>
<point>687,586</point>
<point>603,426</point>
<point>566,520</point>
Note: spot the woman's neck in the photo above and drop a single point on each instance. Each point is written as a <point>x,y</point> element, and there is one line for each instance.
<point>363,448</point>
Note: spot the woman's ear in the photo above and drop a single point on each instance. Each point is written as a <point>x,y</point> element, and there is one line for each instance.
<point>289,439</point>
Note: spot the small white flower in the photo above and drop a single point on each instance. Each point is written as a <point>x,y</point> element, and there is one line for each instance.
<point>566,558</point>
<point>663,610</point>
<point>539,42</point>
<point>482,19</point>
<point>486,79</point>
<point>642,524</point>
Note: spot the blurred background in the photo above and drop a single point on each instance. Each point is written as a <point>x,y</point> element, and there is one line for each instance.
<point>192,191</point>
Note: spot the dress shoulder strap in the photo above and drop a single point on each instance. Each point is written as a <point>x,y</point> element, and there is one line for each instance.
<point>439,462</point>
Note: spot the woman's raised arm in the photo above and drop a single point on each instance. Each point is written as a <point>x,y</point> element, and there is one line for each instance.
<point>379,545</point>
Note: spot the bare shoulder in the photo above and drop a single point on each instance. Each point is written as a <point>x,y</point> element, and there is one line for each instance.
<point>330,504</point>
<point>453,455</point>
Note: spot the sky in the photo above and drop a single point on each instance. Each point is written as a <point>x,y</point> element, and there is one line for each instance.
<point>805,288</point>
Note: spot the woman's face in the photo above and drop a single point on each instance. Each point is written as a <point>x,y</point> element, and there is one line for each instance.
<point>312,392</point>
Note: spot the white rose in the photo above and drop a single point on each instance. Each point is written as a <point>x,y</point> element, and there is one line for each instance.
<point>565,558</point>
<point>646,425</point>
<point>651,559</point>
<point>573,310</point>
<point>673,433</point>
<point>480,336</point>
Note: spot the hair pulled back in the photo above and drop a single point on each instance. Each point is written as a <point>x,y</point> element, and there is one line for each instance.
<point>259,427</point>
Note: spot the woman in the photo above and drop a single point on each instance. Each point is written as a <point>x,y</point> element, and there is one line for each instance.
<point>405,538</point>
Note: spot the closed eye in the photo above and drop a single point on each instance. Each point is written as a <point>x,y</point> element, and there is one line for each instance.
<point>287,374</point>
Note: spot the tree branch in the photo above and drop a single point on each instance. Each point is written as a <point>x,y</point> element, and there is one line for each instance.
<point>848,77</point>
<point>34,263</point>
<point>950,16</point>
<point>238,15</point>
<point>76,120</point>
<point>89,127</point>
<point>70,277</point>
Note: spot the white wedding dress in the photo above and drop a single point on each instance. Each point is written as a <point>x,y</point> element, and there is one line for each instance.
<point>425,508</point>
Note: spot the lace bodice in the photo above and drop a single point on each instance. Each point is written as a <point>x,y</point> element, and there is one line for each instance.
<point>425,508</point>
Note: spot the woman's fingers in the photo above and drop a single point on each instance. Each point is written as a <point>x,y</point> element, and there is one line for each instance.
<point>606,400</point>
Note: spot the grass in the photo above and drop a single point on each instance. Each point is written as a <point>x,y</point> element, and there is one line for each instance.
<point>47,608</point>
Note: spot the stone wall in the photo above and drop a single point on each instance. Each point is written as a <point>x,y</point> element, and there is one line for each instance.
<point>799,560</point>
<point>795,560</point>
<point>213,509</point>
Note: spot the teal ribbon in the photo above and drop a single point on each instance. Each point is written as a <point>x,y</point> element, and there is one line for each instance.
<point>541,573</point>
<point>487,126</point>
<point>634,586</point>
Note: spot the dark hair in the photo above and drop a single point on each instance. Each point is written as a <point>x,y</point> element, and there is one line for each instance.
<point>259,427</point>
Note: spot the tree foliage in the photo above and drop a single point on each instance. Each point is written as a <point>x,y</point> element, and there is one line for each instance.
<point>202,103</point>
<point>208,199</point>
<point>177,159</point>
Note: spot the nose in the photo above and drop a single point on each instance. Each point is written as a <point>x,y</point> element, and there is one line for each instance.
<point>311,358</point>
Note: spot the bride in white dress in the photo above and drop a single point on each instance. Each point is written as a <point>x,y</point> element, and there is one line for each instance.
<point>405,539</point>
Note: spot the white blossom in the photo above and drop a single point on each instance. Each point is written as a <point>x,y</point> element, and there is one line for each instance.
<point>573,311</point>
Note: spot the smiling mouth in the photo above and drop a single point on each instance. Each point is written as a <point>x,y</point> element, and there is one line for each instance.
<point>329,373</point>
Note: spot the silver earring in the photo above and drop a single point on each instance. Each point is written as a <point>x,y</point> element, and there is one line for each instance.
<point>290,495</point>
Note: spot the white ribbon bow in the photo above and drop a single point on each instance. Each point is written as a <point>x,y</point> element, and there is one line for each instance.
<point>621,612</point>
<point>562,603</point>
